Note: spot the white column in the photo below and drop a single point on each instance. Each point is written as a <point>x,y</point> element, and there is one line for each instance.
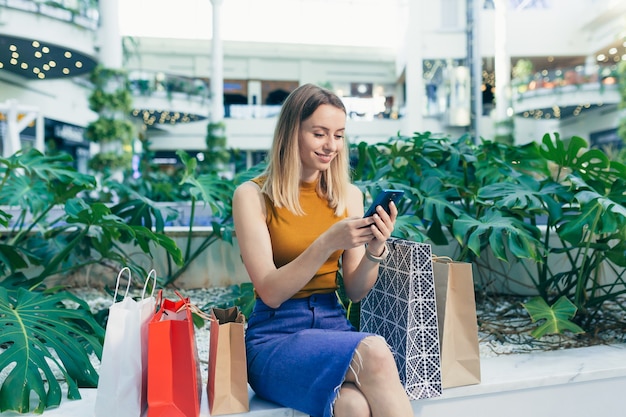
<point>414,73</point>
<point>217,65</point>
<point>502,64</point>
<point>476,62</point>
<point>109,36</point>
<point>248,159</point>
<point>255,97</point>
<point>591,65</point>
<point>111,57</point>
<point>40,144</point>
<point>398,101</point>
<point>11,143</point>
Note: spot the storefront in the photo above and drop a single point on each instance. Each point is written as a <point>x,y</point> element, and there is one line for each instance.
<point>70,139</point>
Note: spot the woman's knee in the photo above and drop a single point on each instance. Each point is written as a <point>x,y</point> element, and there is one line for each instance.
<point>372,362</point>
<point>373,350</point>
<point>350,402</point>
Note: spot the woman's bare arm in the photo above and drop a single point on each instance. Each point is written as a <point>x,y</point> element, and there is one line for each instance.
<point>275,285</point>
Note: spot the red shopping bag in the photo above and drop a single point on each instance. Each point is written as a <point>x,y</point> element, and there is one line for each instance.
<point>174,380</point>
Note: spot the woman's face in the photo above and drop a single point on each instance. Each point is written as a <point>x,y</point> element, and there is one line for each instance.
<point>320,139</point>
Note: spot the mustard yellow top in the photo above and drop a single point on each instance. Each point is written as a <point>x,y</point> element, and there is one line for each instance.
<point>291,234</point>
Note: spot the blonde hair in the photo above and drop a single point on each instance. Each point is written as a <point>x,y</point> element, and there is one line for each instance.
<point>282,183</point>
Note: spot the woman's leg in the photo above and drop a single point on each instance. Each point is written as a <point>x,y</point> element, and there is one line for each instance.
<point>350,402</point>
<point>374,372</point>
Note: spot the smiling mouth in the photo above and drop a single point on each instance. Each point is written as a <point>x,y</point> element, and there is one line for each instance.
<point>324,155</point>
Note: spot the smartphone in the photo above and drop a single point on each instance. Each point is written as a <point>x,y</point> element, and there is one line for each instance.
<point>382,199</point>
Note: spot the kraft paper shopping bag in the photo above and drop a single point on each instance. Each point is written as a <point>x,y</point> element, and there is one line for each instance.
<point>458,325</point>
<point>124,355</point>
<point>401,308</point>
<point>174,380</point>
<point>227,386</point>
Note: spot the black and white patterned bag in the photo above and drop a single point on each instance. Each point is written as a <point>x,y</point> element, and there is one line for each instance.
<point>401,307</point>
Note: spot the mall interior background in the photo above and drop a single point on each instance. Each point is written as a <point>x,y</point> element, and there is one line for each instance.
<point>452,67</point>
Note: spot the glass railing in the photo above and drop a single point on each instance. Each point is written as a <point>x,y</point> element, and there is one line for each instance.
<point>82,13</point>
<point>158,84</point>
<point>566,80</point>
<point>357,108</point>
<point>250,111</point>
<point>148,83</point>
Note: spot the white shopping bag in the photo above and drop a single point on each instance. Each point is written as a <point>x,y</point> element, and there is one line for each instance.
<point>123,368</point>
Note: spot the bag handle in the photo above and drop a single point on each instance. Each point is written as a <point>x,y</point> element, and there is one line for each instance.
<point>159,301</point>
<point>195,309</point>
<point>153,274</point>
<point>443,258</point>
<point>192,307</point>
<point>117,283</point>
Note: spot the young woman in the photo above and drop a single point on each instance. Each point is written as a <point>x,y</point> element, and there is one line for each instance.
<point>296,225</point>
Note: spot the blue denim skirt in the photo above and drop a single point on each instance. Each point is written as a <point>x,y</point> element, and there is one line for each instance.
<point>298,354</point>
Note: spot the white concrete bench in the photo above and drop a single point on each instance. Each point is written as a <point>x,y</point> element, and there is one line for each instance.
<point>580,382</point>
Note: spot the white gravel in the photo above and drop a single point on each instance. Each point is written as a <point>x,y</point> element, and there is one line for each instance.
<point>97,300</point>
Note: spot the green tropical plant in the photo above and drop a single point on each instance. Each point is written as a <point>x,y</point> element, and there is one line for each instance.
<point>118,99</point>
<point>106,130</point>
<point>590,227</point>
<point>556,318</point>
<point>214,191</point>
<point>237,295</point>
<point>54,228</point>
<point>40,336</point>
<point>208,189</point>
<point>211,190</point>
<point>517,205</point>
<point>50,230</point>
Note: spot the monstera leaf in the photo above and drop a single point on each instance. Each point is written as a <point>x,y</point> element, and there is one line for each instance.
<point>526,196</point>
<point>438,201</point>
<point>590,164</point>
<point>557,317</point>
<point>34,181</point>
<point>500,232</point>
<point>40,335</point>
<point>598,214</point>
<point>210,188</point>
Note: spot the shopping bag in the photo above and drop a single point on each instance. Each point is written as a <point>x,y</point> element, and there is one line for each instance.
<point>401,308</point>
<point>458,325</point>
<point>174,380</point>
<point>227,385</point>
<point>121,388</point>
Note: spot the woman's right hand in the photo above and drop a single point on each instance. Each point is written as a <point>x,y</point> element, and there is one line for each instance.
<point>350,233</point>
